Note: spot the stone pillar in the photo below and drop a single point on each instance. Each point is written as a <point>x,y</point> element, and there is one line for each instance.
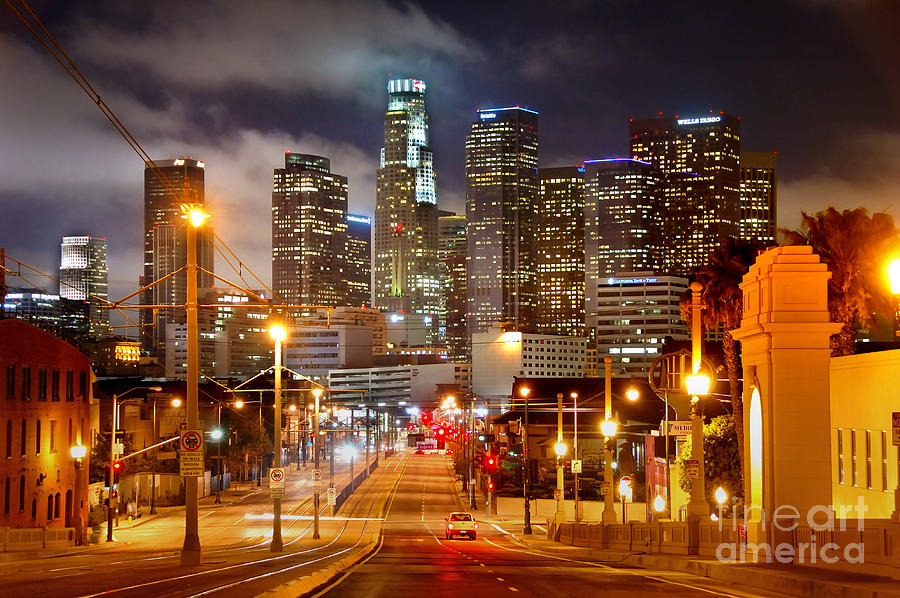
<point>784,336</point>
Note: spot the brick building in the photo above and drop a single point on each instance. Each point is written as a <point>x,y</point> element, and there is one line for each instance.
<point>44,411</point>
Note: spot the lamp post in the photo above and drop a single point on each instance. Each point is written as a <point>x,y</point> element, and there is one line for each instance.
<point>524,391</point>
<point>113,456</point>
<point>278,334</point>
<point>78,452</point>
<point>317,392</point>
<point>560,449</point>
<point>608,427</point>
<point>217,435</point>
<point>894,278</point>
<point>574,396</point>
<point>190,551</point>
<point>721,497</point>
<point>472,503</point>
<point>697,386</point>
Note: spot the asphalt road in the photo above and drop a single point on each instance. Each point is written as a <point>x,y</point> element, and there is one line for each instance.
<point>416,560</point>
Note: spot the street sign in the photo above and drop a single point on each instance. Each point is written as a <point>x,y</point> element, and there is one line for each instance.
<point>556,494</point>
<point>276,492</point>
<point>604,488</point>
<point>693,468</point>
<point>317,475</point>
<point>576,465</point>
<point>316,485</point>
<point>895,424</point>
<point>276,477</point>
<point>332,496</point>
<point>191,454</point>
<point>679,428</point>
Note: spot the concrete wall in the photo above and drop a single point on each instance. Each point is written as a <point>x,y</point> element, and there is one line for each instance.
<point>545,508</point>
<point>863,395</point>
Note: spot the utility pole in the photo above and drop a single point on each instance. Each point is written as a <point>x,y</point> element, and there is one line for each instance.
<point>317,392</point>
<point>526,527</point>
<point>609,506</point>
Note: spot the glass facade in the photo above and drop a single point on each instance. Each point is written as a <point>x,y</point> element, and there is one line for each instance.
<point>501,218</point>
<point>407,271</point>
<point>84,276</point>
<point>452,252</point>
<point>560,250</point>
<point>758,196</point>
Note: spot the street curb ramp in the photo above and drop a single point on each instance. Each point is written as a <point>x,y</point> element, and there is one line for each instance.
<point>314,582</point>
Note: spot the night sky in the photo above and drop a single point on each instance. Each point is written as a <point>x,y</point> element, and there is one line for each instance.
<point>238,83</point>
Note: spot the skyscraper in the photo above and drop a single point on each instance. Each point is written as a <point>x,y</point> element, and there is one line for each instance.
<point>407,271</point>
<point>560,250</point>
<point>358,274</point>
<point>84,276</point>
<point>759,196</point>
<point>309,232</point>
<point>501,192</point>
<point>452,253</point>
<point>700,160</point>
<point>167,185</point>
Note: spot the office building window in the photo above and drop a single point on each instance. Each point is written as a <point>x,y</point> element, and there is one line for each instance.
<point>54,391</point>
<point>70,385</point>
<point>37,437</point>
<point>26,383</point>
<point>10,382</point>
<point>42,384</point>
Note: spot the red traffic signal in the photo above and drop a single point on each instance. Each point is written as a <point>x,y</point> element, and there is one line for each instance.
<point>440,431</point>
<point>490,462</point>
<point>491,486</point>
<point>117,465</point>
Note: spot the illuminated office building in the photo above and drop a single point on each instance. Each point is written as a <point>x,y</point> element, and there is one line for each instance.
<point>759,196</point>
<point>699,158</point>
<point>635,312</point>
<point>622,223</point>
<point>452,253</point>
<point>501,218</point>
<point>407,271</point>
<point>358,254</point>
<point>165,241</point>
<point>309,233</point>
<point>560,250</point>
<point>84,276</point>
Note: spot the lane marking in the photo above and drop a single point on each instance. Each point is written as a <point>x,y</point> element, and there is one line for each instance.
<point>512,589</point>
<point>499,579</point>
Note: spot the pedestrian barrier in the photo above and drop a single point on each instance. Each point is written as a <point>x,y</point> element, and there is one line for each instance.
<point>35,538</point>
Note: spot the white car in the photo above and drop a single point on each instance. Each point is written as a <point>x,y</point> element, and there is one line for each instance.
<point>460,524</point>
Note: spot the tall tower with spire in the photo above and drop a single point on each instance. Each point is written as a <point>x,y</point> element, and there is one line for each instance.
<point>407,269</point>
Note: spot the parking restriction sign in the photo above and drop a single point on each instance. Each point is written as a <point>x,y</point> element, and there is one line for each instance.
<point>191,453</point>
<point>332,496</point>
<point>276,482</point>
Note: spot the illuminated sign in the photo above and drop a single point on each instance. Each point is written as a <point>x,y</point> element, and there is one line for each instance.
<point>485,115</point>
<point>629,280</point>
<point>699,121</point>
<point>359,219</point>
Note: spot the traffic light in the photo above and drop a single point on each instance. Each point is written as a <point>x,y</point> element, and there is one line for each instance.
<point>490,485</point>
<point>490,462</point>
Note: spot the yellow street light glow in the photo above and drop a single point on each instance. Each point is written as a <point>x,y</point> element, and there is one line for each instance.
<point>317,392</point>
<point>721,495</point>
<point>292,408</point>
<point>176,402</point>
<point>659,503</point>
<point>632,394</point>
<point>78,451</point>
<point>560,448</point>
<point>697,385</point>
<point>609,428</point>
<point>574,395</point>
<point>155,388</point>
<point>278,333</point>
<point>524,391</point>
<point>238,404</point>
<point>196,217</point>
<point>894,276</point>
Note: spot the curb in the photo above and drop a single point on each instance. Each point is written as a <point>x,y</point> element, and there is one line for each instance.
<point>769,580</point>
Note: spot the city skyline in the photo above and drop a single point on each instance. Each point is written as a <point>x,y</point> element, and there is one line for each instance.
<point>174,114</point>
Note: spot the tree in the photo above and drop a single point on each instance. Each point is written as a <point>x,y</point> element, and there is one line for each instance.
<point>721,460</point>
<point>855,247</point>
<point>724,306</point>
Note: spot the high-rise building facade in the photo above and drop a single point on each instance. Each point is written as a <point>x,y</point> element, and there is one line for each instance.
<point>452,253</point>
<point>84,276</point>
<point>501,217</point>
<point>309,232</point>
<point>358,273</point>
<point>759,195</point>
<point>167,185</point>
<point>560,250</point>
<point>700,160</point>
<point>635,312</point>
<point>407,271</point>
<point>622,223</point>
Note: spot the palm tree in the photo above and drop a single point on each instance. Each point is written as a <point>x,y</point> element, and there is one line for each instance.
<point>854,246</point>
<point>723,303</point>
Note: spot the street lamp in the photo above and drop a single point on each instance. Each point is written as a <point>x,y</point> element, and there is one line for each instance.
<point>524,391</point>
<point>278,334</point>
<point>317,473</point>
<point>632,394</point>
<point>574,396</point>
<point>697,386</point>
<point>608,428</point>
<point>217,435</point>
<point>78,452</point>
<point>113,454</point>
<point>721,497</point>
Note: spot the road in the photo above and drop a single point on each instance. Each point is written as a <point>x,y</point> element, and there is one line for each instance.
<point>415,559</point>
<point>236,537</point>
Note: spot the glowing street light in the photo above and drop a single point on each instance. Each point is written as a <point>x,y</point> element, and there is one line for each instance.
<point>524,391</point>
<point>609,427</point>
<point>176,402</point>
<point>632,394</point>
<point>659,504</point>
<point>697,385</point>
<point>561,449</point>
<point>721,496</point>
<point>238,404</point>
